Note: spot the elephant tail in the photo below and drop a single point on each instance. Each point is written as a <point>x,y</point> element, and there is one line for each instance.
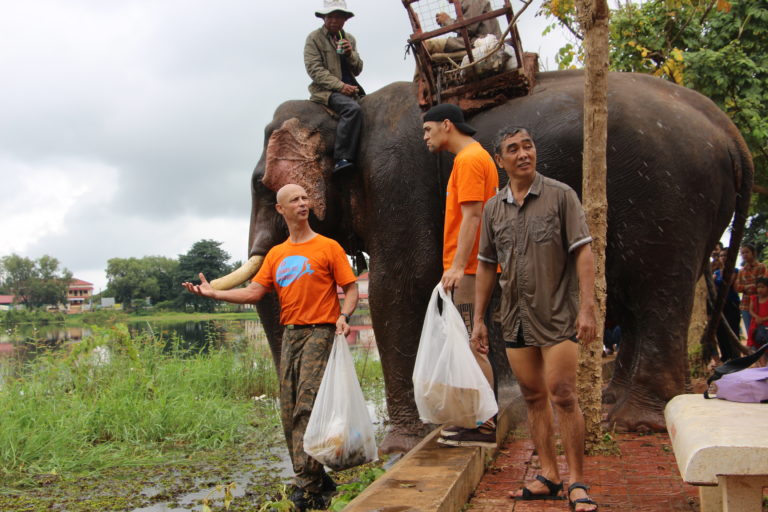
<point>743,176</point>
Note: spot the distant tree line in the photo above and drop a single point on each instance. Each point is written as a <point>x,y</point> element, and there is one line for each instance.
<point>35,283</point>
<point>134,282</point>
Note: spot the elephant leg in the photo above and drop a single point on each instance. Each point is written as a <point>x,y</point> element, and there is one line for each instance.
<point>652,365</point>
<point>397,317</point>
<point>269,314</point>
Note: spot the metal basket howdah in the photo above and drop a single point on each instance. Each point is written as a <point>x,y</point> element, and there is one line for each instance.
<point>445,81</point>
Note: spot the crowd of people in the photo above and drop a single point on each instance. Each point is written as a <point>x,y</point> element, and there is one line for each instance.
<point>527,243</point>
<point>745,316</point>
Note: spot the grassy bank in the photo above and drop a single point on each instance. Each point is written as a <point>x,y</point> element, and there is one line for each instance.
<point>115,400</point>
<point>119,422</point>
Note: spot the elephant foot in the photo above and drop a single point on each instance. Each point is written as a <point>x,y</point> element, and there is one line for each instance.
<point>399,440</point>
<point>614,393</point>
<point>633,415</point>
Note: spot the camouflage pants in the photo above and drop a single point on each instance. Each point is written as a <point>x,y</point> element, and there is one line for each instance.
<point>303,359</point>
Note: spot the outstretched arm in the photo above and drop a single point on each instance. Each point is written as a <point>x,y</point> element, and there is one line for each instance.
<point>248,295</point>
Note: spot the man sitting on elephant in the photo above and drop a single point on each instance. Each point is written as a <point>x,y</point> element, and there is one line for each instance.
<point>474,179</point>
<point>535,228</point>
<point>332,61</point>
<point>304,270</point>
<point>469,9</point>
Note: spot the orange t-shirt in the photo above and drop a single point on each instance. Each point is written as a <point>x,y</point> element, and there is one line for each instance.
<point>305,276</point>
<point>473,178</point>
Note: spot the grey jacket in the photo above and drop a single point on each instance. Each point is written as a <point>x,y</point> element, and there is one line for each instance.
<point>323,64</point>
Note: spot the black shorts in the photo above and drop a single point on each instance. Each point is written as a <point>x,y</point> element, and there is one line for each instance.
<point>520,341</point>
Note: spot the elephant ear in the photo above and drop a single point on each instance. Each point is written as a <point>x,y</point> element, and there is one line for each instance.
<point>297,155</point>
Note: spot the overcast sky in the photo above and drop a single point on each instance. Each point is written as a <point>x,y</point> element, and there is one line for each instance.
<point>130,128</point>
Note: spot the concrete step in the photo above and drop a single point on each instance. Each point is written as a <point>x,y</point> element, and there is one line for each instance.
<point>432,477</point>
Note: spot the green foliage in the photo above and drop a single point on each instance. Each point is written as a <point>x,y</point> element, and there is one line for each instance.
<point>133,280</point>
<point>205,256</point>
<point>31,316</point>
<point>350,490</point>
<point>282,504</point>
<point>102,317</point>
<point>756,233</point>
<point>116,400</point>
<point>716,47</point>
<point>35,283</point>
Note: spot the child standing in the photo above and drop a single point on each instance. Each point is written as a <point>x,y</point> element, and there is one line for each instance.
<point>758,309</point>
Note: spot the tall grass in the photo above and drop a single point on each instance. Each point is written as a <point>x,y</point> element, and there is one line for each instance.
<point>116,400</point>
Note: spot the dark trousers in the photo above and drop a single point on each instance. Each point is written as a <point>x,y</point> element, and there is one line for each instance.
<point>302,364</point>
<point>348,129</point>
<point>733,317</point>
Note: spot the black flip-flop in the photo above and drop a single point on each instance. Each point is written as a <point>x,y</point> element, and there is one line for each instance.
<point>585,501</point>
<point>554,491</point>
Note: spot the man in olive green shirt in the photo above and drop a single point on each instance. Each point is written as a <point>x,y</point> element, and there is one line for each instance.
<point>536,230</point>
<point>332,62</point>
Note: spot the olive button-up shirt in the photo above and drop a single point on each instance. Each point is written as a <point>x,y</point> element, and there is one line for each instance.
<point>534,244</point>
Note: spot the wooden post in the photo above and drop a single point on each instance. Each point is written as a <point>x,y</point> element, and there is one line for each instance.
<point>593,17</point>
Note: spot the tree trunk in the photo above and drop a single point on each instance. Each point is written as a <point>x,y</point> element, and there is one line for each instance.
<point>593,18</point>
<point>698,325</point>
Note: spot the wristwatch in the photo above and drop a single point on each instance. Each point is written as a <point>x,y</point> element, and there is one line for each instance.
<point>346,316</point>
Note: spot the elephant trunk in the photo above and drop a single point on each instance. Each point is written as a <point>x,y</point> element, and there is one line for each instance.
<point>237,277</point>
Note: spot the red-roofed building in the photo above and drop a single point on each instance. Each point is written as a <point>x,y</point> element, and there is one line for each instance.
<point>78,293</point>
<point>6,302</point>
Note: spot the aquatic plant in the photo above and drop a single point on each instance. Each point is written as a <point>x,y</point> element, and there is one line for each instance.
<point>119,400</point>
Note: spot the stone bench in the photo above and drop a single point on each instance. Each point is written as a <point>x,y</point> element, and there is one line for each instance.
<point>723,447</point>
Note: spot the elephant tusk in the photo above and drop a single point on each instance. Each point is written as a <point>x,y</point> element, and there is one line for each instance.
<point>237,277</point>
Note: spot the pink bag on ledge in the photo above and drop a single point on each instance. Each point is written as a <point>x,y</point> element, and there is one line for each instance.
<point>737,382</point>
<point>750,385</point>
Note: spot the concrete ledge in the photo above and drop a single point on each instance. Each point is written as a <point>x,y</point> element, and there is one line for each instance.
<point>717,437</point>
<point>432,477</point>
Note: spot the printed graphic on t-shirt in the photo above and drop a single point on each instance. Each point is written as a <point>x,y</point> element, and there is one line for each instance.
<point>291,269</point>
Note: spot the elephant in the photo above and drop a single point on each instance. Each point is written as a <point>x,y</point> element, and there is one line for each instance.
<point>678,171</point>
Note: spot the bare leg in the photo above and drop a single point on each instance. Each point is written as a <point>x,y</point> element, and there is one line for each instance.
<point>528,366</point>
<point>560,364</point>
<point>464,299</point>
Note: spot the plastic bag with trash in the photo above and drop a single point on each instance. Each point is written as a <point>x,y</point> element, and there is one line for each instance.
<point>340,431</point>
<point>480,48</point>
<point>448,384</point>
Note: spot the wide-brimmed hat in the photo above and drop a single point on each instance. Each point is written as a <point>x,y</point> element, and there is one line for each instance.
<point>330,6</point>
<point>451,112</point>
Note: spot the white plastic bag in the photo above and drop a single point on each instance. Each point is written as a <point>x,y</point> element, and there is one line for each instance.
<point>482,47</point>
<point>340,432</point>
<point>448,384</point>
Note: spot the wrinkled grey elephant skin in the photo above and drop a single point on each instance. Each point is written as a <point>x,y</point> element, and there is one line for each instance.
<point>677,171</point>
